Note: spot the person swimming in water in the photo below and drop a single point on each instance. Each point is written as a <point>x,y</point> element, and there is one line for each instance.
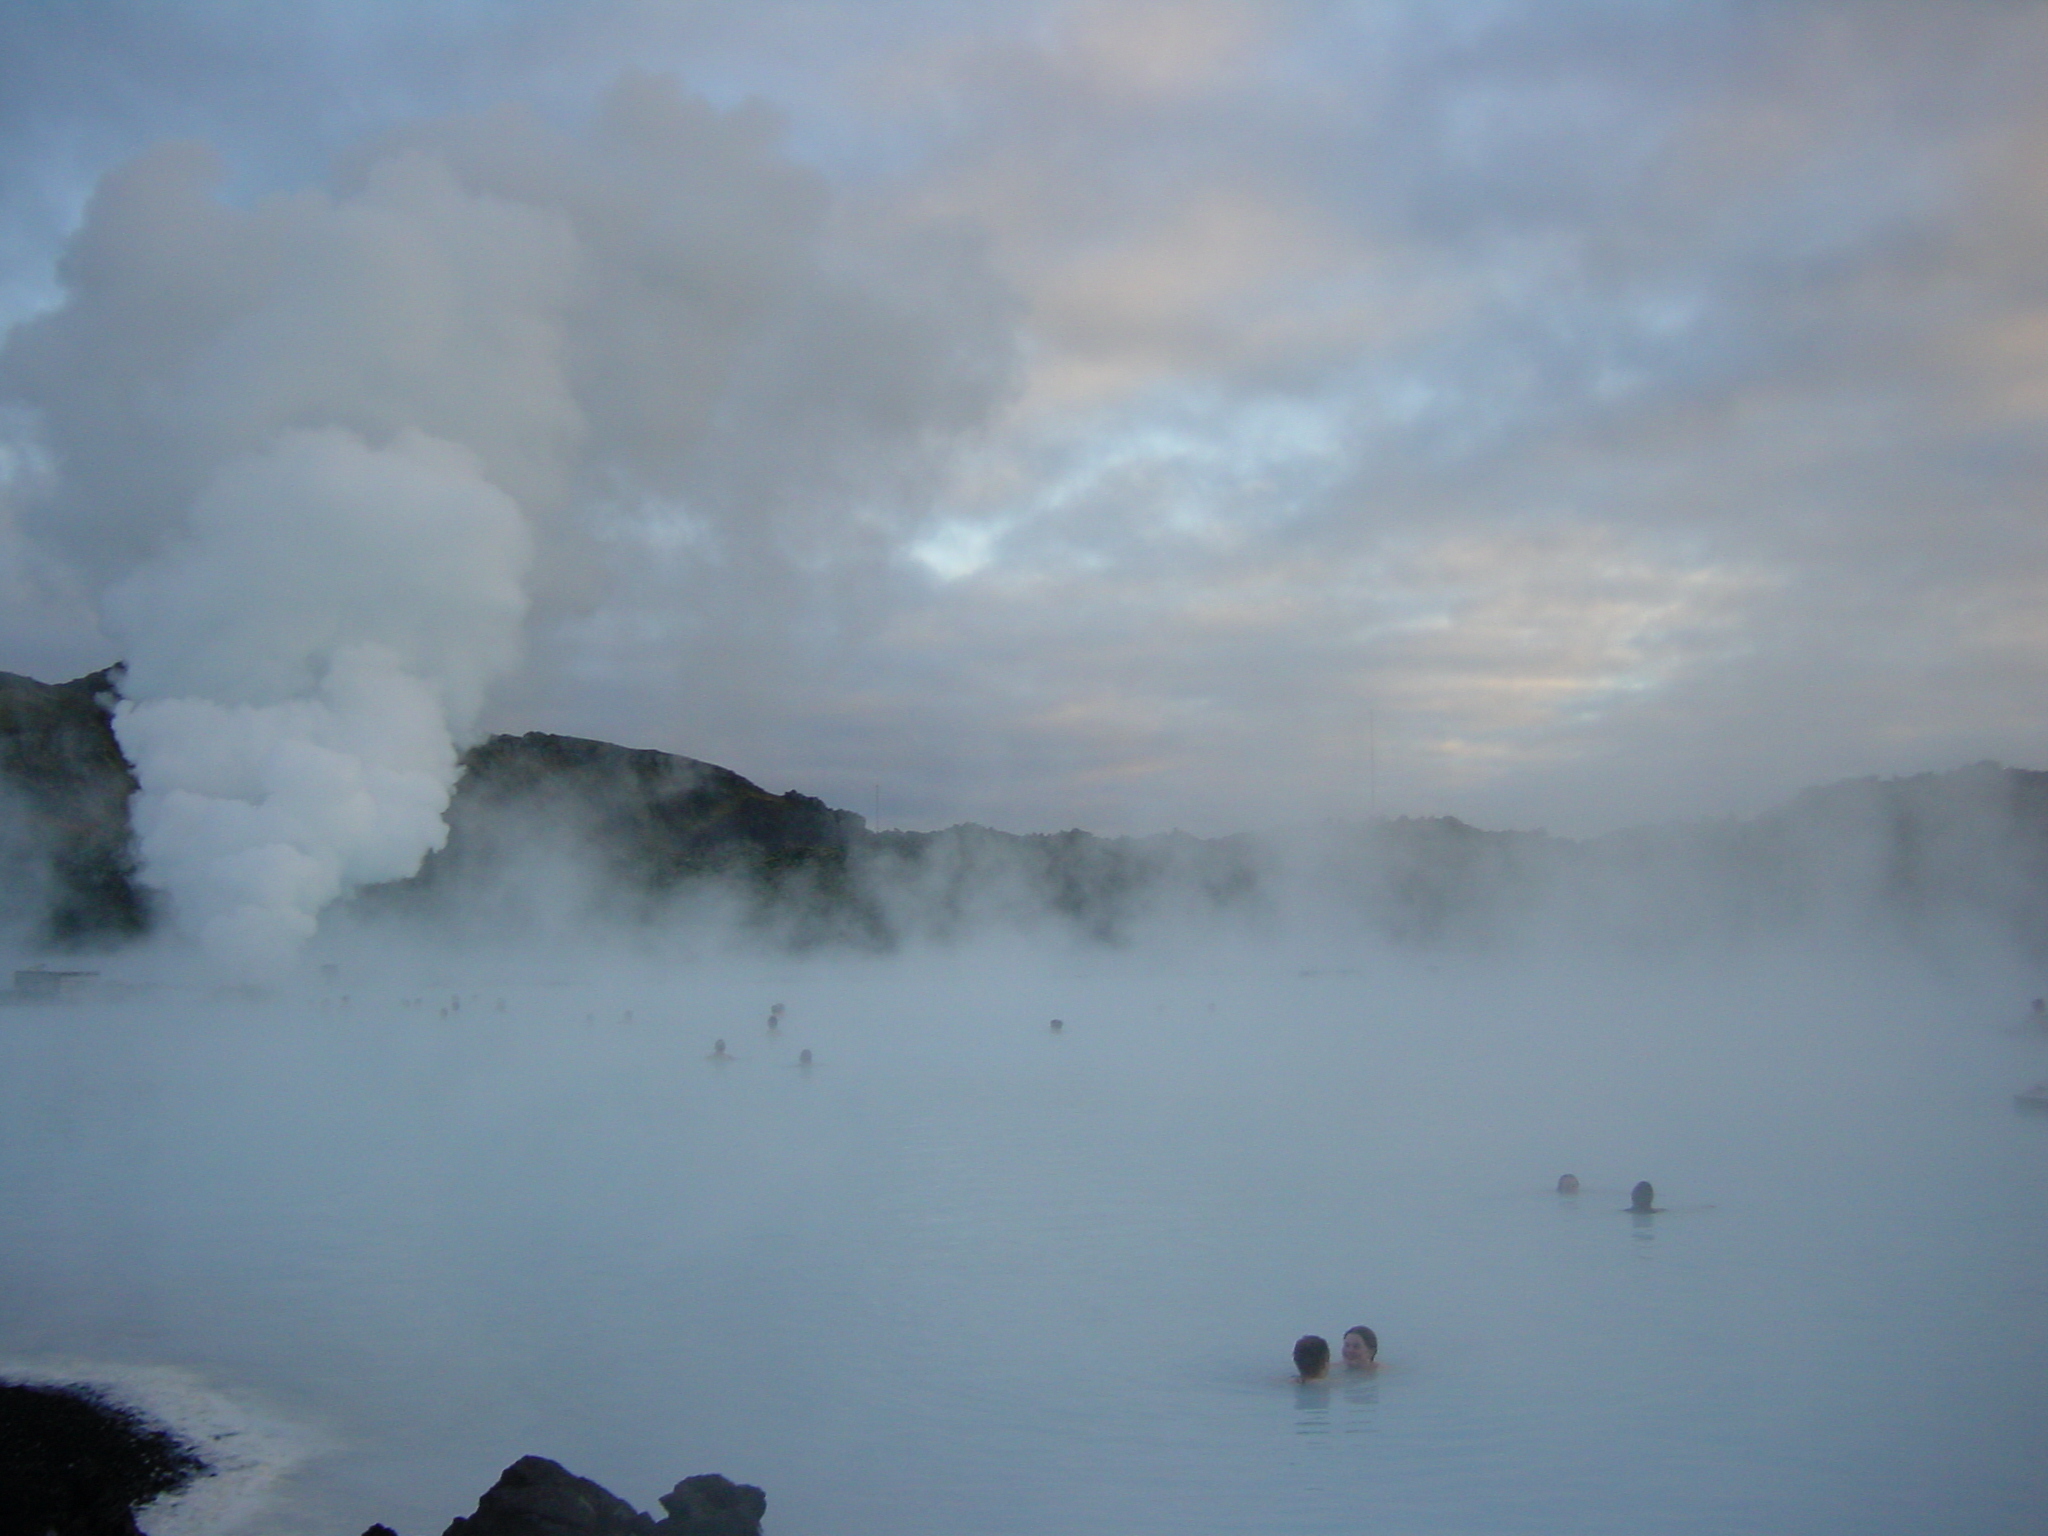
<point>1058,1025</point>
<point>719,1052</point>
<point>1361,1348</point>
<point>1311,1357</point>
<point>803,1059</point>
<point>1642,1200</point>
<point>1567,1183</point>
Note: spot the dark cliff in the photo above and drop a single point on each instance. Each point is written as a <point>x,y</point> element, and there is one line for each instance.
<point>647,818</point>
<point>65,840</point>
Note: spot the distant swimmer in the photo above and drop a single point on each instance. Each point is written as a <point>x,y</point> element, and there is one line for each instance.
<point>1058,1025</point>
<point>1311,1357</point>
<point>1361,1348</point>
<point>1567,1183</point>
<point>774,1019</point>
<point>2040,1013</point>
<point>1642,1200</point>
<point>803,1059</point>
<point>775,1012</point>
<point>719,1052</point>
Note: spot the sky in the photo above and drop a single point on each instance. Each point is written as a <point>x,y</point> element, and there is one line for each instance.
<point>1122,415</point>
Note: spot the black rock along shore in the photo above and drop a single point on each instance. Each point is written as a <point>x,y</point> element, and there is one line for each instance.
<point>538,1497</point>
<point>74,1463</point>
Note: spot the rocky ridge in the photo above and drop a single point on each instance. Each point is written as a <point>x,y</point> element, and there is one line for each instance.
<point>644,830</point>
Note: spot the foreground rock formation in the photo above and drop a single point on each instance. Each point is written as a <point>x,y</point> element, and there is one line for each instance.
<point>74,1463</point>
<point>538,1497</point>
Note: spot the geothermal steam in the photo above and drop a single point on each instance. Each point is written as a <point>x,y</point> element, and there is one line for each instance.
<point>323,457</point>
<point>301,665</point>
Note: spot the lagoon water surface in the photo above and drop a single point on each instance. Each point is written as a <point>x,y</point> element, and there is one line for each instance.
<point>966,1274</point>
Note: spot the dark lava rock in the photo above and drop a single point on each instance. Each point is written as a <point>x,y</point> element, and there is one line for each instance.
<point>710,1505</point>
<point>538,1497</point>
<point>648,818</point>
<point>66,846</point>
<point>74,1464</point>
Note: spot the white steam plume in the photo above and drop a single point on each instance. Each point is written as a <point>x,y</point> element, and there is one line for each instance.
<point>301,664</point>
<point>322,456</point>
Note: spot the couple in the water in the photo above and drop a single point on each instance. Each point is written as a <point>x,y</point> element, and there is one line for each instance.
<point>1642,1200</point>
<point>1312,1353</point>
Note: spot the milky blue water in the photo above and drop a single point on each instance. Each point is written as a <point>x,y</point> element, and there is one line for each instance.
<point>966,1275</point>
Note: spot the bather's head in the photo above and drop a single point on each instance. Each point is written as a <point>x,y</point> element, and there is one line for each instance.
<point>1568,1184</point>
<point>1311,1356</point>
<point>1361,1347</point>
<point>1642,1198</point>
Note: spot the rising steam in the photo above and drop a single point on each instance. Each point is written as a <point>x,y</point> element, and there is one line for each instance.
<point>302,663</point>
<point>323,457</point>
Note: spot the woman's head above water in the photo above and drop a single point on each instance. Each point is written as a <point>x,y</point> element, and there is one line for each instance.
<point>1361,1347</point>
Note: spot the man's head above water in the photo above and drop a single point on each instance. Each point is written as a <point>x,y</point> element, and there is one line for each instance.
<point>1311,1356</point>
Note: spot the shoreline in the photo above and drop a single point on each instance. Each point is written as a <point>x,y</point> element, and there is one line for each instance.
<point>110,1421</point>
<point>77,1461</point>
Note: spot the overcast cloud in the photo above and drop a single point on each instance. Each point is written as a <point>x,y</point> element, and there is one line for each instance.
<point>1100,414</point>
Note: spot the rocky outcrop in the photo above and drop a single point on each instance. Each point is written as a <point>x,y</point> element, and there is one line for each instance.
<point>65,839</point>
<point>538,1497</point>
<point>711,1505</point>
<point>649,817</point>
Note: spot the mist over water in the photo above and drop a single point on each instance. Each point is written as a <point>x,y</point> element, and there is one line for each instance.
<point>968,1274</point>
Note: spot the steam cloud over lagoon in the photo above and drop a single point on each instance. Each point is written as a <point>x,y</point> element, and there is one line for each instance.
<point>307,450</point>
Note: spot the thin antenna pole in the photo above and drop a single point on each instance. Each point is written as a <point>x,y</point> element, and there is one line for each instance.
<point>878,808</point>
